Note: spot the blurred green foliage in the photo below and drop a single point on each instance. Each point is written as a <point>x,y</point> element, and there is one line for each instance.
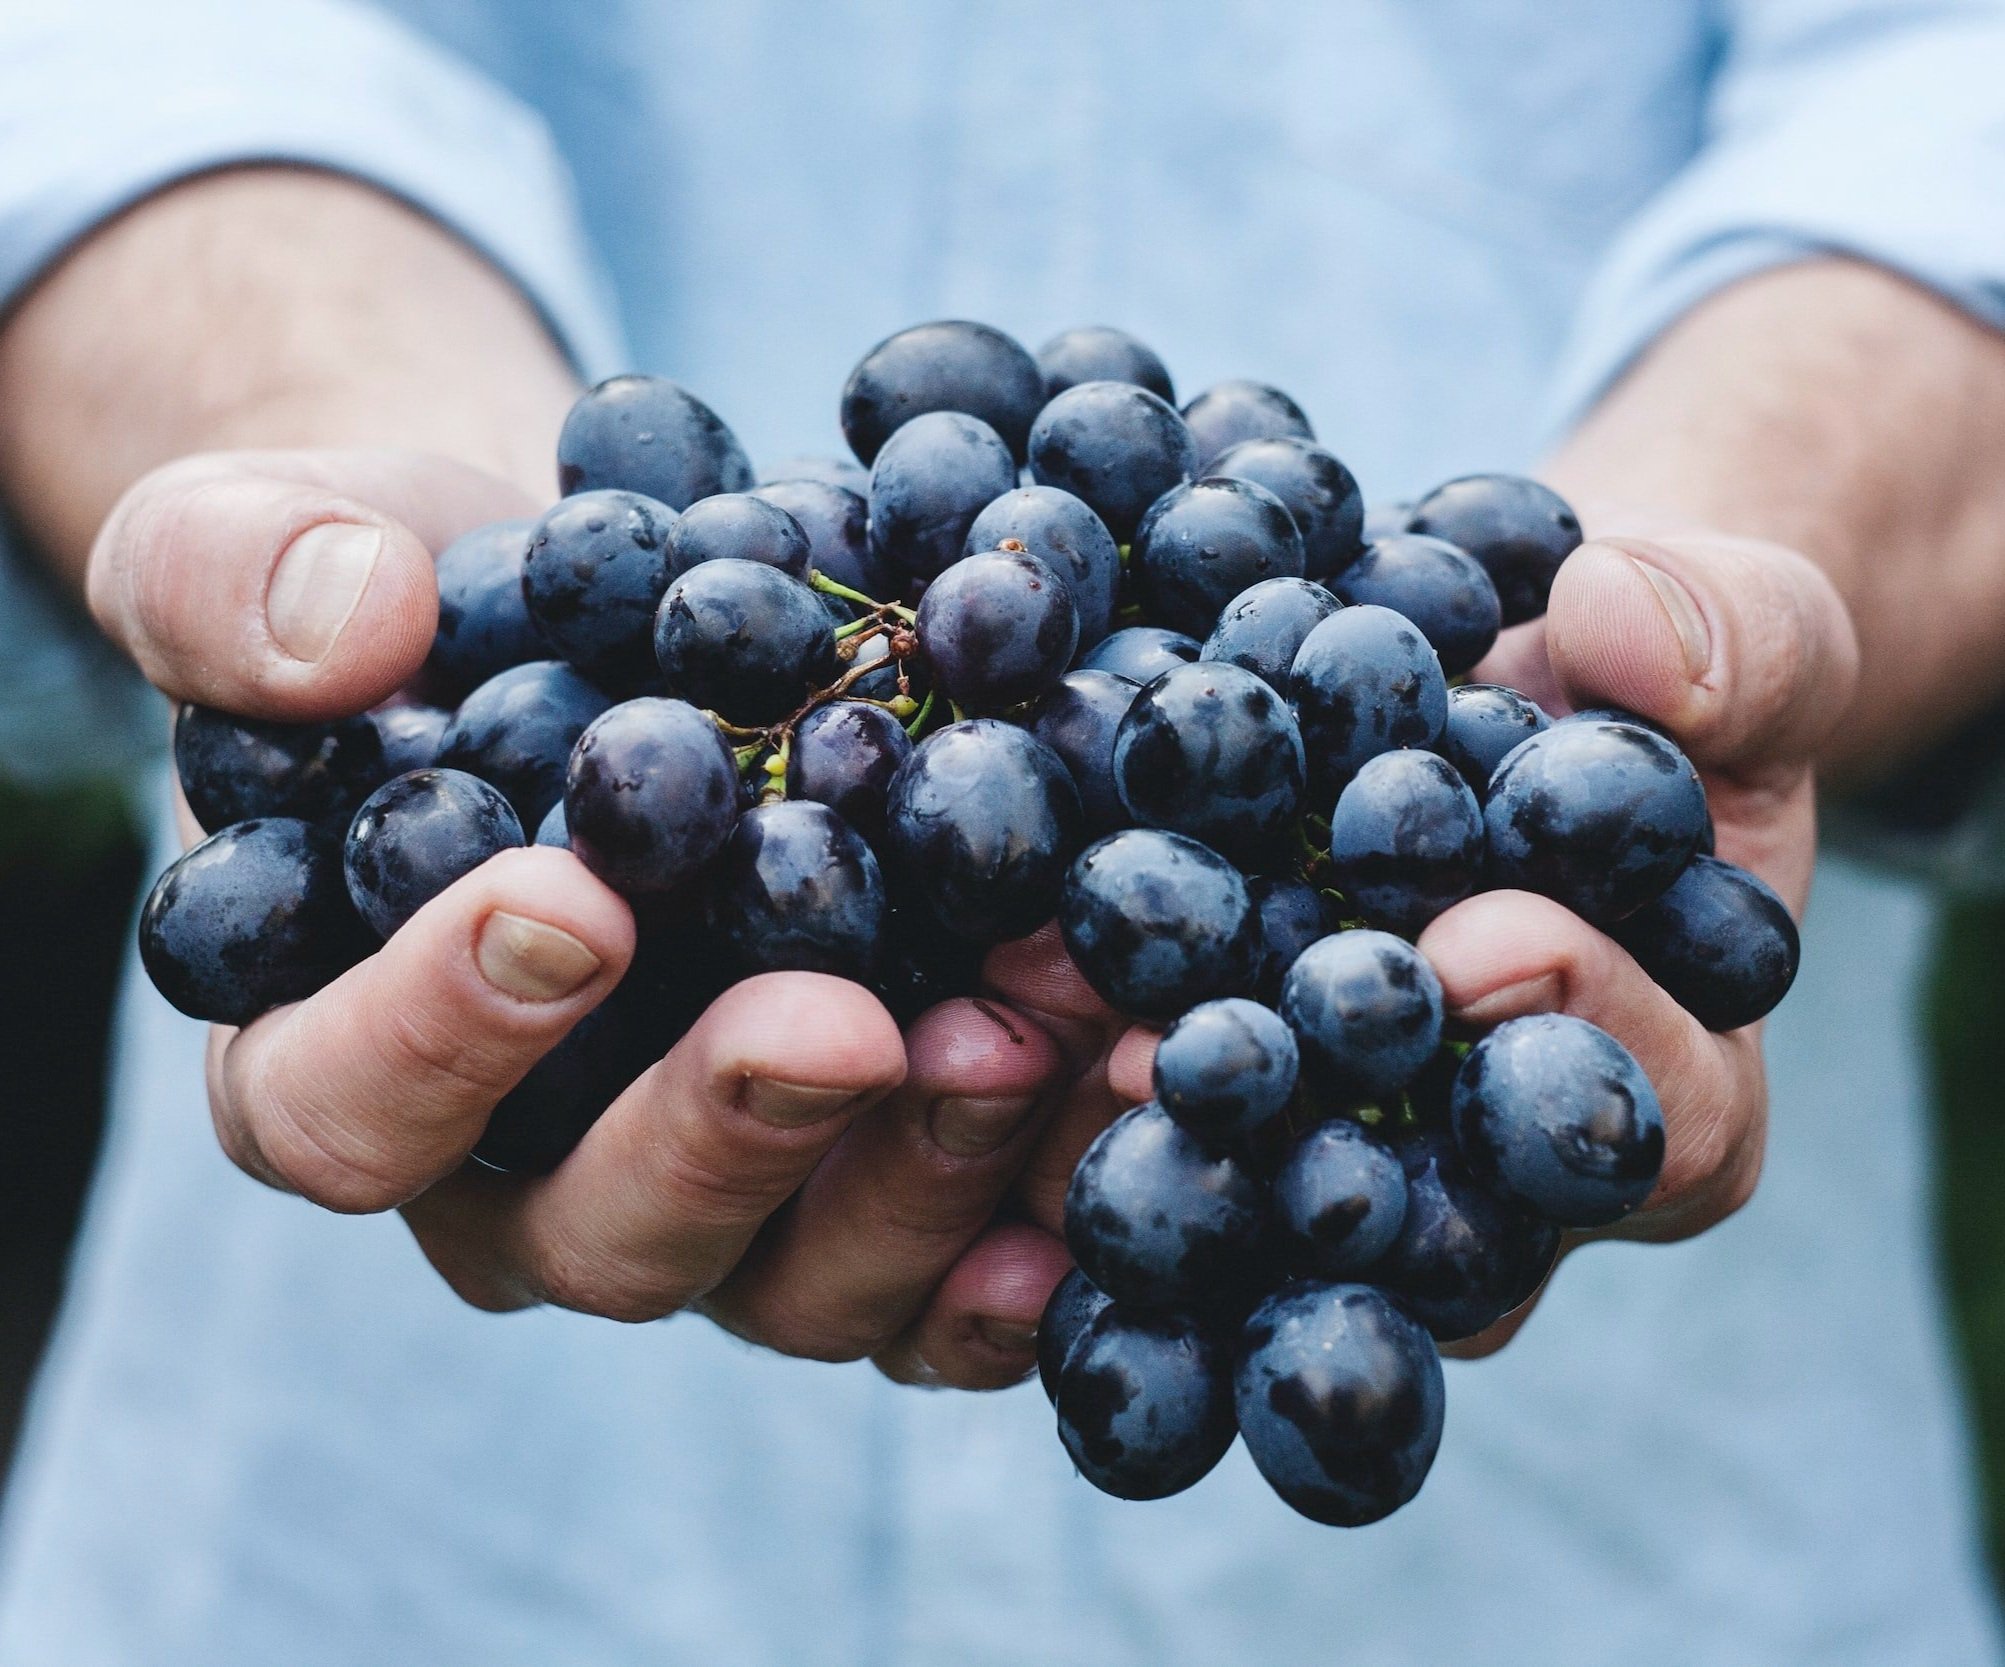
<point>65,833</point>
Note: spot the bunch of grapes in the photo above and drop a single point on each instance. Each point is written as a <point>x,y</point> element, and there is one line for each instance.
<point>1064,650</point>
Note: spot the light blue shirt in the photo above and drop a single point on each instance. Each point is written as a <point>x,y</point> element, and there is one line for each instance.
<point>266,1434</point>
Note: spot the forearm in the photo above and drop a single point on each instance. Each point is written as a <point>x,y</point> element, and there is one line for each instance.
<point>266,307</point>
<point>1837,409</point>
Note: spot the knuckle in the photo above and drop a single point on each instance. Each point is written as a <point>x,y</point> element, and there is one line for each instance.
<point>445,1051</point>
<point>586,1282</point>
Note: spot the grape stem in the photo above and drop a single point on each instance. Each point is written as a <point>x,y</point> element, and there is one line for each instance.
<point>918,723</point>
<point>831,587</point>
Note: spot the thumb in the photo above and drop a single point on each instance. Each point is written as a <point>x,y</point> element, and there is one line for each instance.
<point>289,585</point>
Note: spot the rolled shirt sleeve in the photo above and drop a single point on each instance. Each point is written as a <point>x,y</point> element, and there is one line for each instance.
<point>103,102</point>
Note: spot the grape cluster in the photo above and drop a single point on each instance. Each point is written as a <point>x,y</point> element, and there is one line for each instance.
<point>1065,650</point>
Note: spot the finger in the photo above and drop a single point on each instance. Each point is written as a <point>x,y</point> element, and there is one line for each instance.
<point>284,585</point>
<point>901,1195</point>
<point>1131,1066</point>
<point>1508,953</point>
<point>366,1093</point>
<point>979,1331</point>
<point>665,1192</point>
<point>1036,976</point>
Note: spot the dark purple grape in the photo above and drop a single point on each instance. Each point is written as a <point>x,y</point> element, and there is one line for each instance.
<point>797,889</point>
<point>1366,1008</point>
<point>1599,816</point>
<point>651,795</point>
<point>950,365</point>
<point>843,472</point>
<point>836,521</point>
<point>1519,530</point>
<point>1099,353</point>
<point>931,480</point>
<point>1068,1311</point>
<point>1157,923</point>
<point>233,769</point>
<point>997,629</point>
<point>1291,916</point>
<point>417,834</point>
<point>1115,446</point>
<point>1144,1404</point>
<point>1364,682</point>
<point>1211,751</point>
<point>553,830</point>
<point>1485,721</point>
<point>844,755</point>
<point>1556,1114</point>
<point>537,1123</point>
<point>646,434</point>
<point>1339,1198</point>
<point>1442,590</point>
<point>1077,719</point>
<point>1159,1221</point>
<point>1340,1397</point>
<point>593,578</point>
<point>1406,840</point>
<point>920,964</point>
<point>1225,1069</point>
<point>1202,544</point>
<point>1230,413</point>
<point>1319,492</point>
<point>738,526</point>
<point>744,639</point>
<point>517,730</point>
<point>983,820</point>
<point>1719,942</point>
<point>484,625</point>
<point>1141,653</point>
<point>252,918</point>
<point>410,735</point>
<point>1067,537</point>
<point>1264,626</point>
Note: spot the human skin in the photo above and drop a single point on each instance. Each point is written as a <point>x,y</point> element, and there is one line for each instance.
<point>262,354</point>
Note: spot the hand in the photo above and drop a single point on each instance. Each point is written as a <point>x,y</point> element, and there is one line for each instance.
<point>298,585</point>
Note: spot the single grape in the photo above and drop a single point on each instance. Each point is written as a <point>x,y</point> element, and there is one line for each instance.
<point>1099,353</point>
<point>997,629</point>
<point>1071,1307</point>
<point>844,755</point>
<point>1519,530</point>
<point>1230,413</point>
<point>797,890</point>
<point>836,523</point>
<point>646,434</point>
<point>1366,1008</point>
<point>843,472</point>
<point>1616,715</point>
<point>1157,923</point>
<point>1066,536</point>
<point>983,820</point>
<point>1339,1199</point>
<point>952,366</point>
<point>1202,544</point>
<point>539,1122</point>
<point>651,795</point>
<point>517,730</point>
<point>1264,626</point>
<point>417,834</point>
<point>930,481</point>
<point>1225,1069</point>
<point>251,918</point>
<point>1440,588</point>
<point>1364,682</point>
<point>1159,1221</point>
<point>1291,915</point>
<point>593,578</point>
<point>233,769</point>
<point>1211,751</point>
<point>736,526</point>
<point>1077,719</point>
<point>1140,653</point>
<point>484,624</point>
<point>1485,721</point>
<point>1115,446</point>
<point>1599,816</point>
<point>1719,941</point>
<point>1144,1404</point>
<point>743,639</point>
<point>1340,1397</point>
<point>410,735</point>
<point>1406,840</point>
<point>553,830</point>
<point>1319,492</point>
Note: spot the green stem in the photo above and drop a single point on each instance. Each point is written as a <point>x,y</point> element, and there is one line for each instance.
<point>856,626</point>
<point>831,587</point>
<point>919,723</point>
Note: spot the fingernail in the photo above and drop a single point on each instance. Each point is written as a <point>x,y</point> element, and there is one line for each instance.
<point>1685,616</point>
<point>318,584</point>
<point>1005,1338</point>
<point>970,1126</point>
<point>529,960</point>
<point>1532,995</point>
<point>793,1105</point>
